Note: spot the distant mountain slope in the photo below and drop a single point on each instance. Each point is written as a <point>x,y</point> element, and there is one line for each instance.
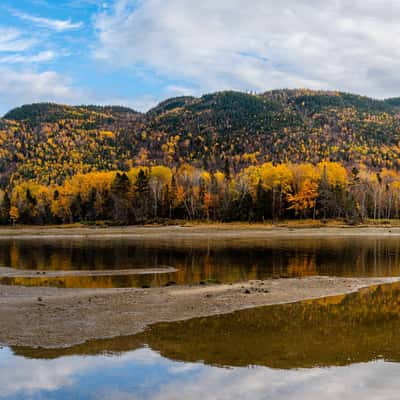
<point>48,142</point>
<point>50,112</point>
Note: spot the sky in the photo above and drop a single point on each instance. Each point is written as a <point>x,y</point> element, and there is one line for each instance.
<point>140,52</point>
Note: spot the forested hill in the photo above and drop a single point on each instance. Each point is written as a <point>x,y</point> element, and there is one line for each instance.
<point>49,112</point>
<point>228,130</point>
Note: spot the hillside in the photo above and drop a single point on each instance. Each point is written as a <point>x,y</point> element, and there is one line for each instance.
<point>49,142</point>
<point>51,113</point>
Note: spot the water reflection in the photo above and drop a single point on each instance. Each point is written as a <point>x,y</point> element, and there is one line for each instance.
<point>338,330</point>
<point>145,375</point>
<point>199,260</point>
<point>105,282</point>
<point>341,347</point>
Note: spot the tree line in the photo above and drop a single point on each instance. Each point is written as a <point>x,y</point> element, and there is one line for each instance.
<point>268,192</point>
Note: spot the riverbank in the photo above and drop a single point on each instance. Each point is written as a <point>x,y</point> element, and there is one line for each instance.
<point>200,231</point>
<point>51,318</point>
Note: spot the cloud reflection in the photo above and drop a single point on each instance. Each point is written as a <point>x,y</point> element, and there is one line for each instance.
<point>144,374</point>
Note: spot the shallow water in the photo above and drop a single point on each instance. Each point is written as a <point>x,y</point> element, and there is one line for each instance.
<point>198,260</point>
<point>345,347</point>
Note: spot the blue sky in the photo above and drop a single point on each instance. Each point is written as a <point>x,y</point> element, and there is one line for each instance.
<point>58,38</point>
<point>139,52</point>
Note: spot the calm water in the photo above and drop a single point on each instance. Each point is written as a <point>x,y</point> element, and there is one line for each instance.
<point>198,260</point>
<point>343,347</point>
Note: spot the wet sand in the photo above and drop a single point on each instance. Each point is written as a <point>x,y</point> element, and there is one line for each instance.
<point>198,231</point>
<point>53,318</point>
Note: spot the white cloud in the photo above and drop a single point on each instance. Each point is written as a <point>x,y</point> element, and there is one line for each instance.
<point>375,381</point>
<point>54,24</point>
<point>177,90</point>
<point>258,45</point>
<point>41,57</point>
<point>84,3</point>
<point>39,378</point>
<point>12,40</point>
<point>28,86</point>
<point>140,103</point>
<point>20,375</point>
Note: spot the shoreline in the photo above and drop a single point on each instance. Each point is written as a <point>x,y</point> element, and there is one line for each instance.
<point>196,231</point>
<point>49,317</point>
<point>60,318</point>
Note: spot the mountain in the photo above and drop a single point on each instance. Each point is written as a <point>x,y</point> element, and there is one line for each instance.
<point>49,142</point>
<point>50,112</point>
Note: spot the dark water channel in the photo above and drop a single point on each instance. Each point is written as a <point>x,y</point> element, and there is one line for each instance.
<point>196,261</point>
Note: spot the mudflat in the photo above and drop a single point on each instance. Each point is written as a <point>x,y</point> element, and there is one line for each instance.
<point>201,231</point>
<point>53,318</point>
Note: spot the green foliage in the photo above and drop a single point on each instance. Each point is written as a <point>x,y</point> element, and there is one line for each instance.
<point>171,104</point>
<point>50,112</point>
<point>49,143</point>
<point>394,102</point>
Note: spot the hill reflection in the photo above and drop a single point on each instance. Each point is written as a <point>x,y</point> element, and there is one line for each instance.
<point>334,331</point>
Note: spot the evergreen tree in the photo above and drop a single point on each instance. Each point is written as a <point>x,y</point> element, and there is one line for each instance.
<point>121,185</point>
<point>324,194</point>
<point>120,190</point>
<point>261,206</point>
<point>351,207</point>
<point>227,170</point>
<point>77,209</point>
<point>90,209</point>
<point>141,198</point>
<point>5,209</point>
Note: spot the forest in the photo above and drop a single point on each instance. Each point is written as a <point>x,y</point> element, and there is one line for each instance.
<point>227,156</point>
<point>268,192</point>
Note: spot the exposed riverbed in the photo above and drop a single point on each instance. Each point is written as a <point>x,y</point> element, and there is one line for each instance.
<point>67,286</point>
